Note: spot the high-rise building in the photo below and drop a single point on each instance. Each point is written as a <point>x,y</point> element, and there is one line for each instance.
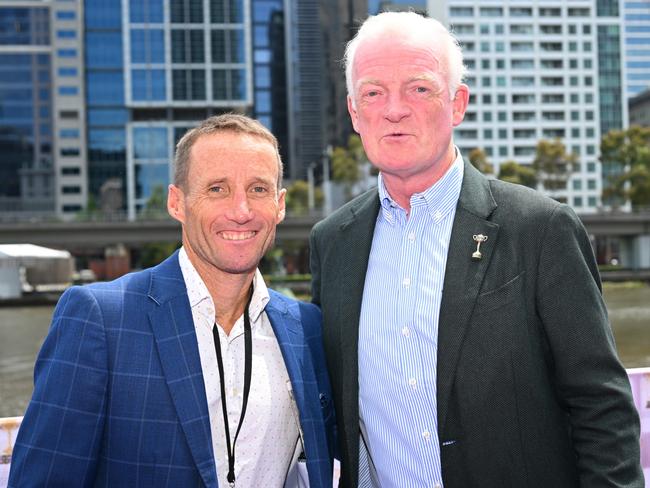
<point>42,172</point>
<point>639,107</point>
<point>113,85</point>
<point>540,70</point>
<point>299,85</point>
<point>636,17</point>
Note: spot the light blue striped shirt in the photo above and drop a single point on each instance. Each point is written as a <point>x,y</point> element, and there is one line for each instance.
<point>398,333</point>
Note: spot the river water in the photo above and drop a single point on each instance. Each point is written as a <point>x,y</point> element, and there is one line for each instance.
<point>22,330</point>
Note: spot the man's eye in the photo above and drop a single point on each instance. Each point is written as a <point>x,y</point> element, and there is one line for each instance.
<point>259,189</point>
<point>216,189</point>
<point>372,93</point>
<point>421,89</point>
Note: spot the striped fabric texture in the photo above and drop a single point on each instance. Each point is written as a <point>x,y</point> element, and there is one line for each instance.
<point>398,333</point>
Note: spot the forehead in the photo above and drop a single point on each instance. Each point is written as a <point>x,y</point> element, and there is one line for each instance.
<point>233,150</point>
<point>386,55</point>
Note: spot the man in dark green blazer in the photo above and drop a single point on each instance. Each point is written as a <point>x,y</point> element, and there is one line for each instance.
<point>511,372</point>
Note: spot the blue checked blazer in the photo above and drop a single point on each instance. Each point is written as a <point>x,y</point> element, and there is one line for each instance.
<point>119,398</point>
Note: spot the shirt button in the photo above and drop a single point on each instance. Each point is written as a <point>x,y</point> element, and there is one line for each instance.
<point>437,485</point>
<point>406,282</point>
<point>411,236</point>
<point>413,383</point>
<point>427,435</point>
<point>438,215</point>
<point>406,332</point>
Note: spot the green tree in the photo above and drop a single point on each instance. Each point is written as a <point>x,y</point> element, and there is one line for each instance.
<point>347,162</point>
<point>92,210</point>
<point>297,198</point>
<point>479,160</point>
<point>154,253</point>
<point>514,172</point>
<point>553,164</point>
<point>626,156</point>
<point>156,206</point>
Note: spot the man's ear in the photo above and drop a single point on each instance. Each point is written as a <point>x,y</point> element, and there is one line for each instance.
<point>460,101</point>
<point>176,203</point>
<point>353,114</point>
<point>282,206</point>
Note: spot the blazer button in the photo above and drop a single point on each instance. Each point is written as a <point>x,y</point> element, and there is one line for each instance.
<point>323,400</point>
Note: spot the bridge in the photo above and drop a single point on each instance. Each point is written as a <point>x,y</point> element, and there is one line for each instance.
<point>632,230</point>
<point>99,234</point>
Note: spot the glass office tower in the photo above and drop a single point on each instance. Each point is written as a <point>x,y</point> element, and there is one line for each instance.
<point>26,166</point>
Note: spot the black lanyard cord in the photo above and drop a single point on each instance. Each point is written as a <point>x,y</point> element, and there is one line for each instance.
<point>248,366</point>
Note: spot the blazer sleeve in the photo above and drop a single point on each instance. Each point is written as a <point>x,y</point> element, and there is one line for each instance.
<point>60,436</point>
<point>590,381</point>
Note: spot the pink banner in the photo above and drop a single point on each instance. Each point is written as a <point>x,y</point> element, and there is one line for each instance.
<point>640,381</point>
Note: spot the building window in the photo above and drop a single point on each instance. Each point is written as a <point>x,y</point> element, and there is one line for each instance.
<point>461,12</point>
<point>67,72</point>
<point>70,171</point>
<point>71,190</point>
<point>69,133</point>
<point>188,46</point>
<point>66,15</point>
<point>148,45</point>
<point>69,114</point>
<point>228,84</point>
<point>521,12</point>
<point>148,85</point>
<point>71,208</point>
<point>66,53</point>
<point>228,46</point>
<point>69,152</point>
<point>579,12</point>
<point>227,11</point>
<point>150,143</point>
<point>146,11</point>
<point>188,84</point>
<point>491,12</point>
<point>66,34</point>
<point>148,177</point>
<point>68,90</point>
<point>186,11</point>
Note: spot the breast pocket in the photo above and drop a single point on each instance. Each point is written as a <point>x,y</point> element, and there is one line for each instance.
<point>501,296</point>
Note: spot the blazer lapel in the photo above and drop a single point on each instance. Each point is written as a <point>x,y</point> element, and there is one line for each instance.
<point>289,334</point>
<point>353,249</point>
<point>463,277</point>
<point>173,328</point>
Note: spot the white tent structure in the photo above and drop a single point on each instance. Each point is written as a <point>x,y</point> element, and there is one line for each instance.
<point>10,284</point>
<point>26,267</point>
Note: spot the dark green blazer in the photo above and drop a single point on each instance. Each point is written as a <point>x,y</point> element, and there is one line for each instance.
<point>530,390</point>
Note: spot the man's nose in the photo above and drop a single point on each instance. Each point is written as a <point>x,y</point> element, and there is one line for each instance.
<point>396,108</point>
<point>239,209</point>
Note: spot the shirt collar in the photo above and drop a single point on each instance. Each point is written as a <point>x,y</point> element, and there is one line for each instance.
<point>200,298</point>
<point>439,199</point>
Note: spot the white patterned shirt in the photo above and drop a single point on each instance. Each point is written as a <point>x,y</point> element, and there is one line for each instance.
<point>266,446</point>
<point>398,333</point>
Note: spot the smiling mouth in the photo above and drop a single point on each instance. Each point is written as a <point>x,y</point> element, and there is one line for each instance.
<point>237,236</point>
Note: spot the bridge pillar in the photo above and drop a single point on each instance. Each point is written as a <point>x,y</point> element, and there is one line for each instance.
<point>635,252</point>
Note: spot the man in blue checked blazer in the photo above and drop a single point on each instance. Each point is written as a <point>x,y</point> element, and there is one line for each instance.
<point>135,375</point>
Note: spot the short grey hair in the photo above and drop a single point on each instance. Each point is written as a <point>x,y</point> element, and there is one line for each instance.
<point>239,124</point>
<point>412,27</point>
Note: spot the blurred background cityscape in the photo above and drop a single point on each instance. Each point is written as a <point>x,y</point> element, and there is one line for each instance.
<point>94,95</point>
